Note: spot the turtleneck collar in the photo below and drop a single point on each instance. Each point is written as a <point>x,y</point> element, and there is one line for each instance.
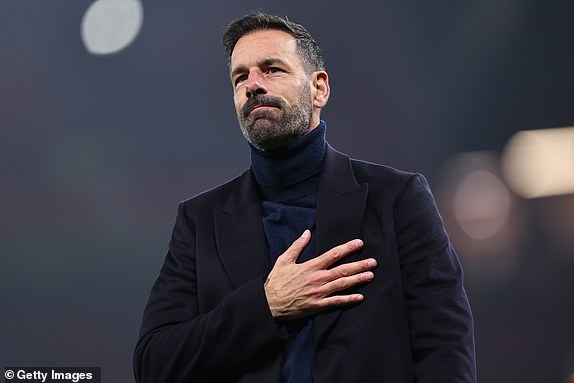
<point>292,164</point>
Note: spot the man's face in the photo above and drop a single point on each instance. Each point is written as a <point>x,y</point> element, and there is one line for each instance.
<point>272,89</point>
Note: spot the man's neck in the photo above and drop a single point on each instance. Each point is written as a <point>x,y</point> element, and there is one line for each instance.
<point>292,164</point>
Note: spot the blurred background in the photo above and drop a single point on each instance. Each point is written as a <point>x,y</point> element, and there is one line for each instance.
<point>110,114</point>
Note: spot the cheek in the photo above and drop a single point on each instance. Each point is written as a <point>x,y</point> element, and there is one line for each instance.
<point>238,102</point>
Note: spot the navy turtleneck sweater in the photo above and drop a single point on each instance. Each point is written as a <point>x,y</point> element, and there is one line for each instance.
<point>288,180</point>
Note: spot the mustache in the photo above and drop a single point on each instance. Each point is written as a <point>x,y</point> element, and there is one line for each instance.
<point>260,100</point>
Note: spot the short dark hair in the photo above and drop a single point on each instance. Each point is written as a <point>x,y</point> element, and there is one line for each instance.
<point>309,51</point>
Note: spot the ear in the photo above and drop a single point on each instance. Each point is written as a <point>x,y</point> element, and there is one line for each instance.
<point>321,89</point>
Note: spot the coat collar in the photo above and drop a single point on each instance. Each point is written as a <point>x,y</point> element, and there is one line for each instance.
<point>241,241</point>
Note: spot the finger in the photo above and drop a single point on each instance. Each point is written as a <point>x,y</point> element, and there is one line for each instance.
<point>336,253</point>
<point>341,300</point>
<point>346,282</point>
<point>292,253</point>
<point>352,268</point>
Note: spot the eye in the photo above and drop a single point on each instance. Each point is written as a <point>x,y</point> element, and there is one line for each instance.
<point>274,70</point>
<point>240,78</point>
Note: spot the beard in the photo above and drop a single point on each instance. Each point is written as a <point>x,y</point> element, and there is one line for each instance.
<point>274,129</point>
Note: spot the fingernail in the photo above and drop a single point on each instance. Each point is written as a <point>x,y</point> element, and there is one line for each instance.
<point>305,233</point>
<point>372,263</point>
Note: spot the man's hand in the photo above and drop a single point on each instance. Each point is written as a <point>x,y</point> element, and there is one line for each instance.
<point>296,290</point>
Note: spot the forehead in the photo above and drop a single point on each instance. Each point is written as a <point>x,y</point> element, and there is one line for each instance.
<point>261,45</point>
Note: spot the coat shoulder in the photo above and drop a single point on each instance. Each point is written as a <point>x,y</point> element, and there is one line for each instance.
<point>382,176</point>
<point>214,198</point>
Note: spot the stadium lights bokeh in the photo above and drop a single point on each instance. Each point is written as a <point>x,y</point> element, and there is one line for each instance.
<point>108,26</point>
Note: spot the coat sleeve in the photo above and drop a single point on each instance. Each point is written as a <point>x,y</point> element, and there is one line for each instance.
<point>438,310</point>
<point>179,344</point>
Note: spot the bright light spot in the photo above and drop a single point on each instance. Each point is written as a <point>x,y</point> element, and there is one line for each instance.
<point>482,204</point>
<point>540,163</point>
<point>483,218</point>
<point>109,26</point>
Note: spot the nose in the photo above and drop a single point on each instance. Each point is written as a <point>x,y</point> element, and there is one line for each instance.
<point>254,85</point>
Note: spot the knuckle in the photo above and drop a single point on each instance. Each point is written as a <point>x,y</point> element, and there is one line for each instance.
<point>342,273</point>
<point>347,270</point>
<point>340,284</point>
<point>295,247</point>
<point>299,242</point>
<point>314,279</point>
<point>319,277</point>
<point>336,300</point>
<point>352,245</point>
<point>336,253</point>
<point>339,300</point>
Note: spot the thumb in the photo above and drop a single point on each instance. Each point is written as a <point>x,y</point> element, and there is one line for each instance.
<point>292,253</point>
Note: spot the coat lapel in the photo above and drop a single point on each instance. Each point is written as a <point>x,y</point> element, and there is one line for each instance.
<point>240,239</point>
<point>341,203</point>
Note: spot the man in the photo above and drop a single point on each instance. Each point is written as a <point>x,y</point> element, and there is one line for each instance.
<point>310,266</point>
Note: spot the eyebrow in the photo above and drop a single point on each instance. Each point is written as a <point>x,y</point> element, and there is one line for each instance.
<point>264,63</point>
